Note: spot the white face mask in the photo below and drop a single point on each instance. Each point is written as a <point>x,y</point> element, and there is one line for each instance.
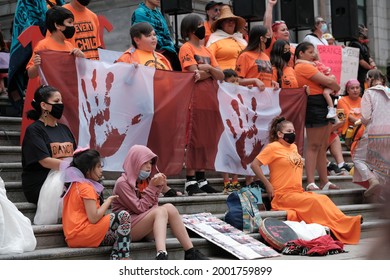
<point>143,175</point>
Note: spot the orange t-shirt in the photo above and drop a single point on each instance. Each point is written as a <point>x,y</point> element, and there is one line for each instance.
<point>289,80</point>
<point>151,59</point>
<point>191,55</point>
<point>285,166</point>
<point>226,52</point>
<point>350,107</point>
<point>304,72</point>
<point>207,26</point>
<point>49,44</point>
<point>252,64</point>
<point>87,36</point>
<point>78,231</point>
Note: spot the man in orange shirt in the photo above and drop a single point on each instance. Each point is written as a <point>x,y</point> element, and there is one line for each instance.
<point>213,11</point>
<point>86,23</point>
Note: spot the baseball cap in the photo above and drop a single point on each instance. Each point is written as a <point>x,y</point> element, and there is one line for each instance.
<point>211,4</point>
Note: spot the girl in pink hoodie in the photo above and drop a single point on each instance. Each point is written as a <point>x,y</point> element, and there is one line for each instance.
<point>138,190</point>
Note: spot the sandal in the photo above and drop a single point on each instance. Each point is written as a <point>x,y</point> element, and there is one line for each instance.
<point>312,187</point>
<point>330,186</point>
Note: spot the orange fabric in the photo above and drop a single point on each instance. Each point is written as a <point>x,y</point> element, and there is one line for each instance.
<point>78,231</point>
<point>349,106</point>
<point>253,64</point>
<point>289,80</point>
<point>226,52</point>
<point>49,44</point>
<point>87,36</point>
<point>207,26</point>
<point>151,59</point>
<point>191,55</point>
<point>304,72</point>
<point>286,167</point>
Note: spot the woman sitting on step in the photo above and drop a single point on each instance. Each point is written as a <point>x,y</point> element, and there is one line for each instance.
<point>284,186</point>
<point>138,190</point>
<point>84,218</point>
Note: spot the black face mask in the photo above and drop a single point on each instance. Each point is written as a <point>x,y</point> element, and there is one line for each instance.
<point>84,2</point>
<point>56,110</point>
<point>268,42</point>
<point>289,137</point>
<point>200,32</point>
<point>286,56</point>
<point>69,31</point>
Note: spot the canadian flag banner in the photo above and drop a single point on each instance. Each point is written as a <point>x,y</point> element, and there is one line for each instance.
<point>206,125</point>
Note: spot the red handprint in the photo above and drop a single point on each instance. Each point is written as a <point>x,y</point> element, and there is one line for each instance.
<point>247,128</point>
<point>107,133</point>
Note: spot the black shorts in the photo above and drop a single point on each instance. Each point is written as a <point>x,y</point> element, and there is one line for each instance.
<point>316,111</point>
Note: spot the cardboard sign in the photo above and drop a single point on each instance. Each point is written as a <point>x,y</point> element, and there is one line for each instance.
<point>227,237</point>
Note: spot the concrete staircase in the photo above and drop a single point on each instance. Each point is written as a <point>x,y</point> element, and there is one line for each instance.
<point>50,238</point>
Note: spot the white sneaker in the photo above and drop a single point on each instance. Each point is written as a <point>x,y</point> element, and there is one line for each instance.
<point>331,113</point>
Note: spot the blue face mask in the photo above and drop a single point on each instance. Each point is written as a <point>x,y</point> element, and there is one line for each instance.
<point>143,175</point>
<point>324,28</point>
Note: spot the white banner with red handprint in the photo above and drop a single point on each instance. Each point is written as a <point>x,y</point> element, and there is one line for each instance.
<point>207,125</point>
<point>246,120</point>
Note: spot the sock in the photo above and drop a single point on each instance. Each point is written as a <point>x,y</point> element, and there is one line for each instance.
<point>341,164</point>
<point>200,175</point>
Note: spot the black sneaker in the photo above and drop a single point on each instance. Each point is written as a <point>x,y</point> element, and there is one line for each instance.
<point>204,186</point>
<point>333,169</point>
<point>194,254</point>
<point>347,167</point>
<point>192,188</point>
<point>162,255</point>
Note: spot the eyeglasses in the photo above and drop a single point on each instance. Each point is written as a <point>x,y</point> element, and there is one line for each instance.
<point>279,21</point>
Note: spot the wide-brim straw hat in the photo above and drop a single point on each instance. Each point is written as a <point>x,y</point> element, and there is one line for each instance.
<point>226,12</point>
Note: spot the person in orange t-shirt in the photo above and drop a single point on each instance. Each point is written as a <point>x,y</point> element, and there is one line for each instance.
<point>213,11</point>
<point>253,62</point>
<point>59,21</point>
<point>318,127</point>
<point>278,30</point>
<point>84,218</point>
<point>281,71</point>
<point>86,22</point>
<point>284,186</point>
<point>194,57</point>
<point>144,41</point>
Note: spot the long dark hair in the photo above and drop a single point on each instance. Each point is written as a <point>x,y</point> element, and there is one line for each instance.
<point>276,125</point>
<point>276,58</point>
<point>86,160</point>
<point>254,37</point>
<point>42,94</point>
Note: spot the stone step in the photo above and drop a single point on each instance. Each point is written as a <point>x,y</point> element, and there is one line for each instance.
<point>11,171</point>
<point>15,191</point>
<point>216,204</point>
<point>11,153</point>
<point>9,138</point>
<point>10,123</point>
<point>146,250</point>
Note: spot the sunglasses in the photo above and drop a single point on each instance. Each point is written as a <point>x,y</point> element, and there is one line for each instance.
<point>216,9</point>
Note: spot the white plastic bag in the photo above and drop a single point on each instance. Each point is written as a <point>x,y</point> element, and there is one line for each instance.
<point>16,233</point>
<point>306,231</point>
<point>49,207</point>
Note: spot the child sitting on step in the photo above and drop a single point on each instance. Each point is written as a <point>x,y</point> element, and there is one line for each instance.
<point>84,218</point>
<point>138,190</point>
